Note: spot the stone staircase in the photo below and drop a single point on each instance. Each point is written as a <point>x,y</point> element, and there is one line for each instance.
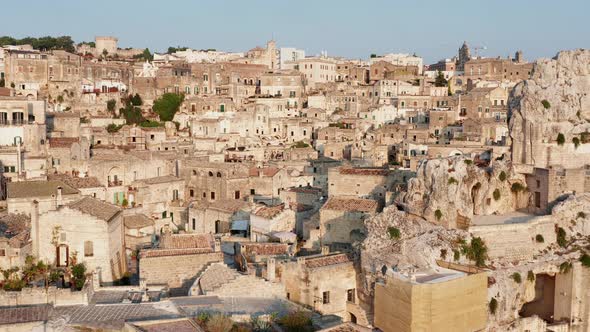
<point>223,281</point>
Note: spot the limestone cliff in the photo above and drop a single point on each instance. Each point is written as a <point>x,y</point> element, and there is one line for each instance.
<point>554,101</point>
<point>421,243</point>
<point>451,191</point>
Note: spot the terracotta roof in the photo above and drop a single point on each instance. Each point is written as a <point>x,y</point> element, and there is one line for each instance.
<point>38,189</point>
<point>62,142</point>
<point>306,190</point>
<point>265,248</point>
<point>351,204</point>
<point>137,221</point>
<point>187,241</point>
<point>95,207</point>
<point>321,261</point>
<point>16,229</point>
<point>173,252</point>
<point>364,171</point>
<point>74,181</point>
<point>266,171</point>
<point>269,212</point>
<point>13,224</point>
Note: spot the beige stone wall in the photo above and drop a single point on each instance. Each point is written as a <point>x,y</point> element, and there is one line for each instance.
<point>516,241</point>
<point>175,271</point>
<point>455,305</point>
<point>106,238</point>
<point>336,225</point>
<point>52,295</point>
<point>306,286</point>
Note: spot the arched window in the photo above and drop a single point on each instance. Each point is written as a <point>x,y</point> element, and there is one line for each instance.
<point>88,249</point>
<point>218,174</point>
<point>194,172</point>
<point>210,173</point>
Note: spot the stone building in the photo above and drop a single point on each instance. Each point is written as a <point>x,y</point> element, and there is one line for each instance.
<point>444,300</point>
<point>177,260</point>
<point>549,185</point>
<point>217,216</point>
<point>267,222</point>
<point>15,240</point>
<point>319,291</point>
<point>89,230</point>
<point>366,182</point>
<point>48,194</point>
<point>342,220</point>
<point>496,69</point>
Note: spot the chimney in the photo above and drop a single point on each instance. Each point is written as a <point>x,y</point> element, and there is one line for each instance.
<point>35,228</point>
<point>59,198</point>
<point>270,269</point>
<point>325,250</point>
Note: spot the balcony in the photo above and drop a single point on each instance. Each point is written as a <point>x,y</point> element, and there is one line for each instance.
<point>115,183</point>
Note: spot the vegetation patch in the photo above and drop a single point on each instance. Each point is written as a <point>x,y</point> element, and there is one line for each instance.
<point>576,142</point>
<point>502,176</point>
<point>539,238</point>
<point>546,103</point>
<point>452,180</point>
<point>516,277</point>
<point>476,251</point>
<point>517,187</point>
<point>565,267</point>
<point>167,105</point>
<point>561,240</point>
<point>496,194</point>
<point>585,260</point>
<point>394,233</point>
<point>438,214</point>
<point>530,276</point>
<point>493,305</point>
<point>560,139</point>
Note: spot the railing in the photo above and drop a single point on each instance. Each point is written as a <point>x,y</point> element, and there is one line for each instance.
<point>115,183</point>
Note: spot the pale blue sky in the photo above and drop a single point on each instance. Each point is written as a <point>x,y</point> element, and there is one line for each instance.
<point>433,29</point>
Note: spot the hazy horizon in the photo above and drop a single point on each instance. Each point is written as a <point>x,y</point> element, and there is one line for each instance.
<point>538,28</point>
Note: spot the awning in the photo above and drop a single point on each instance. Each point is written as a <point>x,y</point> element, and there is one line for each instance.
<point>240,225</point>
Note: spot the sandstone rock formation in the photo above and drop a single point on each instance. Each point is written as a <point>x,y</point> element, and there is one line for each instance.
<point>451,191</point>
<point>554,101</point>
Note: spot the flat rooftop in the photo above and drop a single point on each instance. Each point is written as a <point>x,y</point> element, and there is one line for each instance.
<point>516,217</point>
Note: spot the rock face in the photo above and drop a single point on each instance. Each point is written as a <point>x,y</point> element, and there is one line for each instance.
<point>554,101</point>
<point>451,191</point>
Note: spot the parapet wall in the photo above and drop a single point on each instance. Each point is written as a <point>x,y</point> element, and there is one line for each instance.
<point>50,295</point>
<point>516,241</point>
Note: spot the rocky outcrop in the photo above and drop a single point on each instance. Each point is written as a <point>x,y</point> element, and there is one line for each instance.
<point>554,101</point>
<point>451,191</point>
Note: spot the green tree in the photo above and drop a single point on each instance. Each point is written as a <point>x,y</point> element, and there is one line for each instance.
<point>136,100</point>
<point>172,49</point>
<point>477,251</point>
<point>146,55</point>
<point>111,105</point>
<point>440,80</point>
<point>167,105</point>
